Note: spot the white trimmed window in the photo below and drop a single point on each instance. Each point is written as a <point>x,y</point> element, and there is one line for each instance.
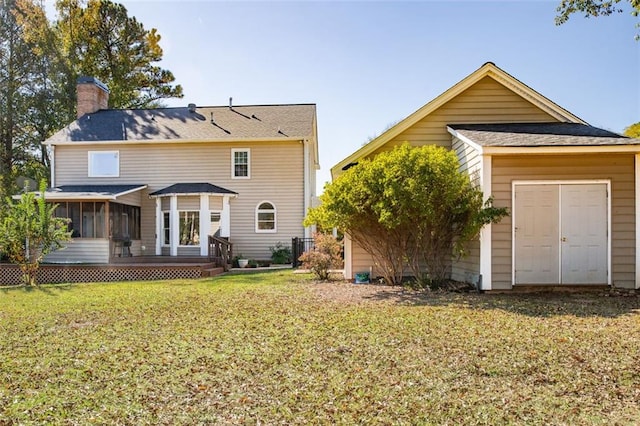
<point>104,163</point>
<point>266,217</point>
<point>166,228</point>
<point>240,163</point>
<point>189,228</point>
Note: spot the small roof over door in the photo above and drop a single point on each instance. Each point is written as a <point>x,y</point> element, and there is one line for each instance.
<point>192,189</point>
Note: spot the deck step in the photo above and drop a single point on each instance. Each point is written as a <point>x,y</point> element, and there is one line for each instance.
<point>212,272</point>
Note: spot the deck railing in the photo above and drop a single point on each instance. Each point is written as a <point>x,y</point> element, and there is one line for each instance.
<point>220,252</point>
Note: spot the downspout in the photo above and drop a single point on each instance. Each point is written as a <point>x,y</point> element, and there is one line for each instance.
<point>53,166</point>
<point>307,185</point>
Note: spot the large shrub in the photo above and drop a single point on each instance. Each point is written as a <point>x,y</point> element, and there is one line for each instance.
<point>29,231</point>
<point>407,207</point>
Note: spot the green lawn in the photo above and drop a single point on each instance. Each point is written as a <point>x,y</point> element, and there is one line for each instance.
<point>264,349</point>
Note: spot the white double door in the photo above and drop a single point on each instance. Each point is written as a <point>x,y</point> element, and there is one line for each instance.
<point>561,233</point>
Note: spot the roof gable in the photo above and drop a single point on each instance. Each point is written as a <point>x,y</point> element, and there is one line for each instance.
<point>488,71</point>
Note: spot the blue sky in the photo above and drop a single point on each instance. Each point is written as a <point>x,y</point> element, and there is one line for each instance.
<point>368,64</point>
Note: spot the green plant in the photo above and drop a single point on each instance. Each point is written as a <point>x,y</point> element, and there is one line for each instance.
<point>409,207</point>
<point>29,231</point>
<point>280,254</point>
<point>325,255</point>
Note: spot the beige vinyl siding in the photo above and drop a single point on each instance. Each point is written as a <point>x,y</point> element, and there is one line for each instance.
<point>276,176</point>
<point>81,250</point>
<point>469,159</point>
<point>215,203</point>
<point>467,268</point>
<point>188,203</point>
<point>189,251</point>
<point>487,101</point>
<point>619,168</point>
<point>361,261</point>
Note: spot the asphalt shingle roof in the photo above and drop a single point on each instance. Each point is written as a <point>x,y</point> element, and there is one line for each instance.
<point>192,188</point>
<point>95,189</point>
<point>205,123</point>
<point>540,134</point>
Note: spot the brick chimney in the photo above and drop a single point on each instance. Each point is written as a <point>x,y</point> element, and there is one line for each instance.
<point>93,95</point>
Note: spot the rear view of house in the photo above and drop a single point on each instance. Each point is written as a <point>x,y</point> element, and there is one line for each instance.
<point>160,181</point>
<point>572,190</point>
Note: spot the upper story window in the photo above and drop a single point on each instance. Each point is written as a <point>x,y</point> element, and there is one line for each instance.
<point>104,163</point>
<point>240,163</point>
<point>266,217</point>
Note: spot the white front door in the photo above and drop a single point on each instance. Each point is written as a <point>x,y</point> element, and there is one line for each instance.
<point>561,233</point>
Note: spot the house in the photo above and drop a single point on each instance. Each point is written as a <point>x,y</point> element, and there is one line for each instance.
<point>572,190</point>
<point>158,182</point>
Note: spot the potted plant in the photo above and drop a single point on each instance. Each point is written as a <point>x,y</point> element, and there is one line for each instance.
<point>242,261</point>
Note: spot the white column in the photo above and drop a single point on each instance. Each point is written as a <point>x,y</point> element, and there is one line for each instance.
<point>175,226</point>
<point>637,183</point>
<point>159,222</point>
<point>225,218</point>
<point>485,233</point>
<point>205,224</point>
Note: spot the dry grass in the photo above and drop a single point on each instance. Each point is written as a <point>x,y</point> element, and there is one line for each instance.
<point>276,348</point>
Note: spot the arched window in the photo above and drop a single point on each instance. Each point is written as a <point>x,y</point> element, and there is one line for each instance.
<point>266,217</point>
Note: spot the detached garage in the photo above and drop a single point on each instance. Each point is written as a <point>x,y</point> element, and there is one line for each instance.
<point>572,189</point>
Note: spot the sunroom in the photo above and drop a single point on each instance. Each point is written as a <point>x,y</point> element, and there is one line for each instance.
<point>104,221</point>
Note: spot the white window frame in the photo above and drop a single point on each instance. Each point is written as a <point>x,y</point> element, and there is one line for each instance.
<point>275,218</point>
<point>197,223</point>
<point>163,242</point>
<point>233,163</point>
<point>92,158</point>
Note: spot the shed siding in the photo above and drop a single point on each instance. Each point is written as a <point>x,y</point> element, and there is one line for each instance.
<point>619,168</point>
<point>362,262</point>
<point>487,101</point>
<point>467,268</point>
<point>276,175</point>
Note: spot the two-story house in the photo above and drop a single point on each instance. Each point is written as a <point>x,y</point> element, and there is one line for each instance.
<point>162,180</point>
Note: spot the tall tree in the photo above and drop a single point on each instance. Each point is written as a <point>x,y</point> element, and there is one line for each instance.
<point>48,107</point>
<point>633,131</point>
<point>101,40</point>
<point>40,61</point>
<point>594,8</point>
<point>16,63</point>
